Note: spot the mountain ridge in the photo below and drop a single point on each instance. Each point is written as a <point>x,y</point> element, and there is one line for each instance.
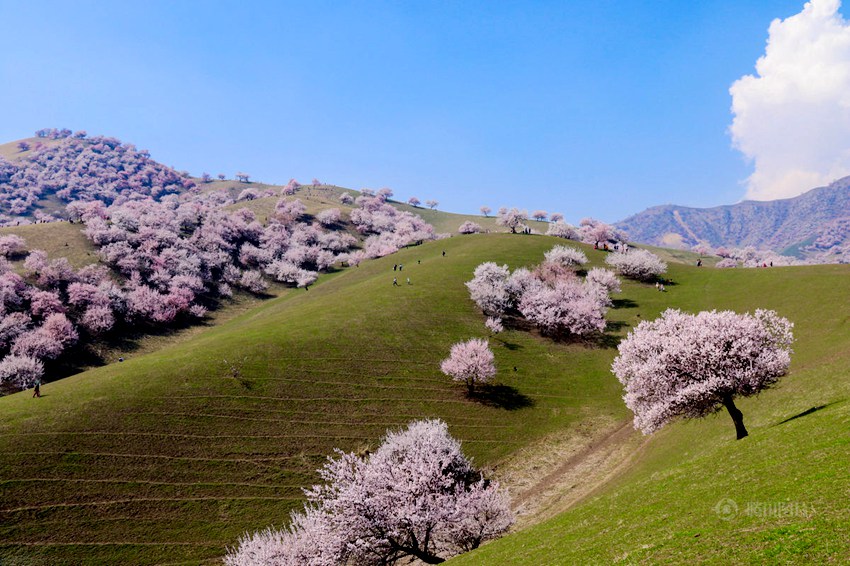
<point>809,224</point>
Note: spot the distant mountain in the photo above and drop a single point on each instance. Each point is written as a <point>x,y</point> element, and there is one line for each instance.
<point>813,223</point>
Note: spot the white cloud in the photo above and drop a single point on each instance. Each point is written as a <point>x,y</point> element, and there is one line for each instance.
<point>793,117</point>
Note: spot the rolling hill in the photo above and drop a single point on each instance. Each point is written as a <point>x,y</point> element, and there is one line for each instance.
<point>167,457</point>
<point>805,225</point>
<point>204,432</point>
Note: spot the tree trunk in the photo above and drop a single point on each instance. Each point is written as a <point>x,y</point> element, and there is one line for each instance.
<point>737,416</point>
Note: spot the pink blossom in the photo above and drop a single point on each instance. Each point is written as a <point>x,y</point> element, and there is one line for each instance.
<point>470,227</point>
<point>566,256</point>
<point>685,365</point>
<point>489,288</point>
<point>21,371</point>
<point>560,229</point>
<point>513,218</point>
<point>494,325</point>
<point>642,265</point>
<point>470,362</point>
<point>416,496</point>
<point>570,306</point>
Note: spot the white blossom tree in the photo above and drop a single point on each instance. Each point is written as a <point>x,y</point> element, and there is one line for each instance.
<point>416,497</point>
<point>685,365</point>
<point>471,362</point>
<point>642,265</point>
<point>512,218</point>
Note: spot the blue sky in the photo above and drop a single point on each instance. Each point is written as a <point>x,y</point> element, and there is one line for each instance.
<point>591,109</point>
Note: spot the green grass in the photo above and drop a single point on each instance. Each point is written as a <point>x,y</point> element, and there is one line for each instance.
<point>195,456</point>
<point>789,478</point>
<point>168,457</point>
<point>10,151</point>
<point>58,239</point>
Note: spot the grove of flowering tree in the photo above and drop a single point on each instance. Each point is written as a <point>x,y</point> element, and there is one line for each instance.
<point>642,265</point>
<point>551,296</point>
<point>683,365</point>
<point>561,229</point>
<point>596,232</point>
<point>512,218</point>
<point>387,229</point>
<point>416,497</point>
<point>469,227</point>
<point>471,363</point>
<point>168,261</point>
<point>97,168</point>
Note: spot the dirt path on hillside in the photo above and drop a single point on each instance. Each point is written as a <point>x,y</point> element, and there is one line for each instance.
<point>560,471</point>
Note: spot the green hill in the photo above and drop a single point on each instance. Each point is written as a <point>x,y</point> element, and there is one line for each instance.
<point>169,456</point>
<point>696,495</point>
<point>216,435</point>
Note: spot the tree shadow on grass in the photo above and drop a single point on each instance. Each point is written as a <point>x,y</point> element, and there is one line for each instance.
<point>510,345</point>
<point>808,411</point>
<point>624,304</point>
<point>502,396</point>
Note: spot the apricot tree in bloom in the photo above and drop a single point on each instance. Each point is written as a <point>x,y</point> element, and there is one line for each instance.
<point>485,210</point>
<point>513,218</point>
<point>471,362</point>
<point>561,229</point>
<point>556,217</point>
<point>416,497</point>
<point>565,256</point>
<point>489,288</point>
<point>432,204</point>
<point>11,245</point>
<point>686,365</point>
<point>605,278</point>
<point>569,306</point>
<point>413,201</point>
<point>21,371</point>
<point>328,217</point>
<point>469,227</point>
<point>539,215</point>
<point>642,265</point>
<point>494,324</point>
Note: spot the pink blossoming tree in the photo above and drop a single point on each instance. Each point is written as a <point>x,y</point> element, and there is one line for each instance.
<point>416,497</point>
<point>471,362</point>
<point>687,366</point>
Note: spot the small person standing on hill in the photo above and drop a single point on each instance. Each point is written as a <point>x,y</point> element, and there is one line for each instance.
<point>395,266</point>
<point>408,280</point>
<point>395,282</point>
<point>400,267</point>
<point>699,262</point>
<point>37,389</point>
<point>444,253</point>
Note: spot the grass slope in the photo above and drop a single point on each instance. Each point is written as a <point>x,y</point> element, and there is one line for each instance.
<point>789,479</point>
<point>169,457</point>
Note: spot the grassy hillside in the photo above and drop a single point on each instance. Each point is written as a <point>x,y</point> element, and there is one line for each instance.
<point>168,457</point>
<point>58,239</point>
<point>11,152</point>
<point>788,480</point>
